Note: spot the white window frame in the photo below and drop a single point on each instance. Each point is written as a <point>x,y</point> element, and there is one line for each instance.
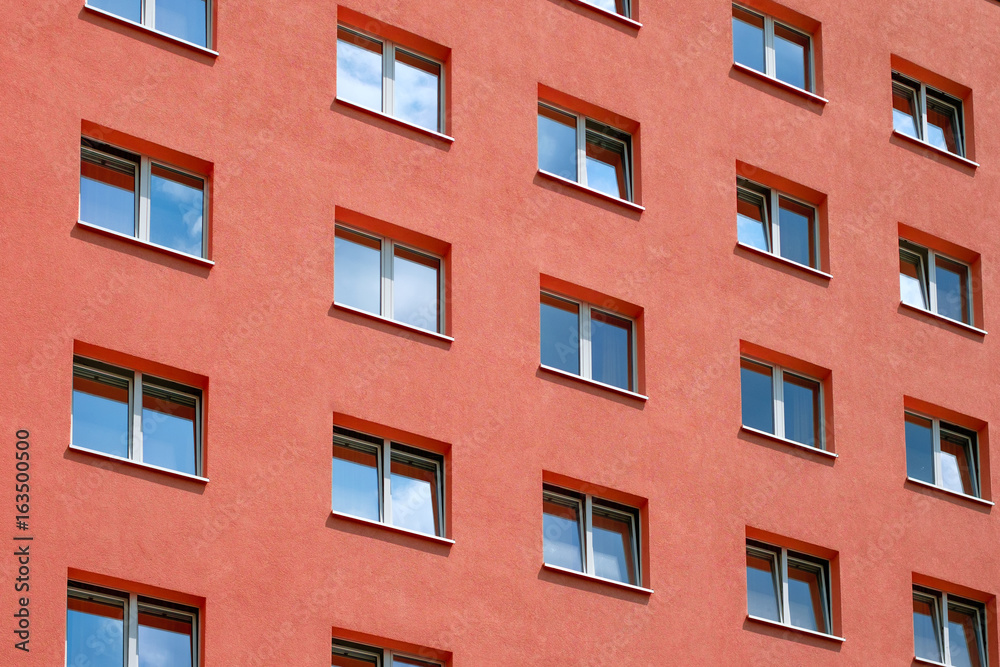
<point>747,189</point>
<point>389,75</point>
<point>132,607</point>
<point>936,429</point>
<point>387,249</point>
<point>626,8</point>
<point>941,602</point>
<point>143,166</point>
<point>384,453</point>
<point>929,278</point>
<point>586,356</point>
<point>780,556</point>
<point>136,382</point>
<point>770,59</point>
<point>778,400</point>
<point>921,91</point>
<point>581,146</point>
<point>383,657</point>
<point>148,21</point>
<point>585,506</point>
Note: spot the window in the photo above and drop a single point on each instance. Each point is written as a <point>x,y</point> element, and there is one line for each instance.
<point>772,48</point>
<point>621,7</point>
<point>388,482</point>
<point>137,196</point>
<point>187,20</point>
<point>788,587</point>
<point>589,535</point>
<point>103,625</point>
<point>385,77</point>
<point>583,340</point>
<point>933,282</point>
<point>781,402</point>
<point>942,454</point>
<point>351,654</point>
<point>595,155</point>
<point>929,115</point>
<point>134,416</point>
<point>388,279</point>
<point>792,233</point>
<point>958,639</point>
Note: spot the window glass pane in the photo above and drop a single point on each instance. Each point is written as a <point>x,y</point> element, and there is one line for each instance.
<point>186,19</point>
<point>798,232</point>
<point>748,39</point>
<point>415,90</point>
<point>557,143</point>
<point>611,349</point>
<point>169,430</point>
<point>351,656</point>
<point>606,165</point>
<point>177,202</point>
<point>560,329</point>
<point>791,57</point>
<point>957,464</point>
<point>355,482</point>
<point>942,125</point>
<point>757,396</point>
<point>963,638</point>
<point>802,409</point>
<point>805,598</point>
<point>101,413</point>
<point>357,271</point>
<point>616,6</point>
<point>952,289</point>
<point>919,449</point>
<point>614,556</point>
<point>359,70</point>
<point>904,111</point>
<point>415,289</point>
<point>95,633</point>
<point>414,488</point>
<point>762,587</point>
<point>751,221</point>
<point>164,641</point>
<point>127,9</point>
<point>561,532</point>
<point>107,193</point>
<point>926,638</point>
<point>411,662</point>
<point>352,661</point>
<point>911,280</point>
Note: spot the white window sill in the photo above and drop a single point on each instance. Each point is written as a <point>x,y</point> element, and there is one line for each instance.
<point>151,31</point>
<point>611,15</point>
<point>958,494</point>
<point>802,92</point>
<point>811,633</point>
<point>138,464</point>
<point>940,151</point>
<point>583,188</point>
<point>785,441</point>
<point>395,529</point>
<point>783,260</point>
<point>942,318</point>
<point>397,121</point>
<point>594,577</point>
<point>145,244</point>
<point>401,325</point>
<point>593,383</point>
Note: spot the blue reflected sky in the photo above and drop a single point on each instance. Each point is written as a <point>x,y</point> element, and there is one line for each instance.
<point>610,559</point>
<point>903,122</point>
<point>790,62</point>
<point>158,647</point>
<point>795,236</point>
<point>962,642</point>
<point>186,19</point>
<point>560,338</point>
<point>359,75</point>
<point>95,641</point>
<point>355,484</point>
<point>750,228</point>
<point>561,537</point>
<point>757,397</point>
<point>804,600</point>
<point>412,504</point>
<point>127,9</point>
<point>414,291</point>
<point>800,410</point>
<point>176,210</point>
<point>603,177</point>
<point>100,423</point>
<point>762,600</point>
<point>557,147</point>
<point>357,275</point>
<point>925,633</point>
<point>108,206</point>
<point>748,45</point>
<point>610,352</point>
<point>168,441</point>
<point>415,93</point>
<point>919,449</point>
<point>950,292</point>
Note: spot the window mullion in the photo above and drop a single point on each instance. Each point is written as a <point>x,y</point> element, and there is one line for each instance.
<point>386,481</point>
<point>779,401</point>
<point>581,150</point>
<point>770,63</point>
<point>589,533</point>
<point>136,431</point>
<point>945,639</point>
<point>936,437</point>
<point>386,254</point>
<point>145,207</point>
<point>785,616</point>
<point>149,14</point>
<point>586,361</point>
<point>775,223</point>
<point>132,629</point>
<point>388,76</point>
<point>923,112</point>
<point>932,281</point>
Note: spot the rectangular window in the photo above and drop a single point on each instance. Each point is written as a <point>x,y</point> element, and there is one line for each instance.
<point>788,587</point>
<point>385,481</point>
<point>137,196</point>
<point>352,654</point>
<point>131,415</point>
<point>589,535</point>
<point>772,48</point>
<point>948,629</point>
<point>942,454</point>
<point>930,281</point>
<point>583,340</point>
<point>792,234</point>
<point>383,76</point>
<point>577,148</point>
<point>781,402</point>
<point>112,628</point>
<point>187,20</point>
<point>927,114</point>
<point>385,278</point>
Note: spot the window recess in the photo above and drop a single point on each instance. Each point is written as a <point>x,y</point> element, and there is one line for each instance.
<point>772,48</point>
<point>927,114</point>
<point>934,282</point>
<point>788,587</point>
<point>777,224</point>
<point>784,403</point>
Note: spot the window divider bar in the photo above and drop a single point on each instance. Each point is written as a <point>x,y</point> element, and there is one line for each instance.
<point>145,206</point>
<point>945,638</point>
<point>132,613</point>
<point>136,430</point>
<point>581,150</point>
<point>932,280</point>
<point>586,360</point>
<point>775,224</point>
<point>388,72</point>
<point>785,616</point>
<point>936,439</point>
<point>589,534</point>
<point>923,111</point>
<point>779,401</point>
<point>770,61</point>
<point>386,481</point>
<point>386,255</point>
